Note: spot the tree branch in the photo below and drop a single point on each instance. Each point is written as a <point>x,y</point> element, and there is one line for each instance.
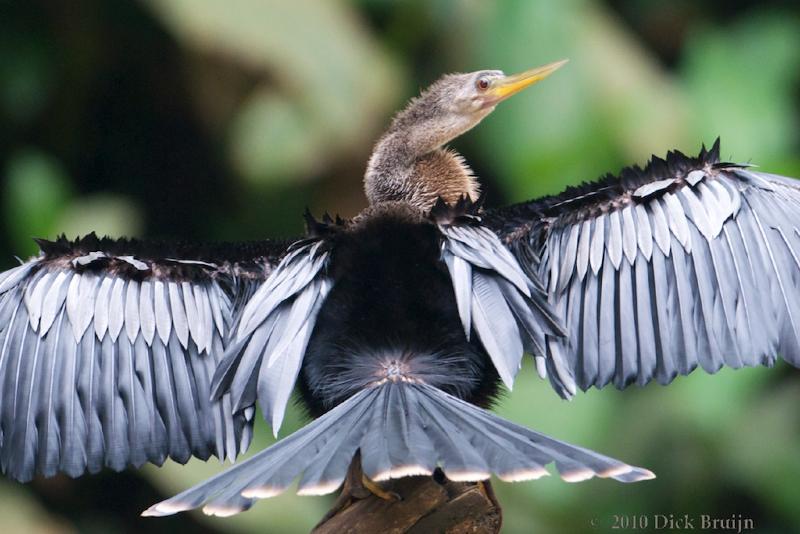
<point>426,506</point>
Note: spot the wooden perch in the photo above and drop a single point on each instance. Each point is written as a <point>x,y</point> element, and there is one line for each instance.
<point>427,506</point>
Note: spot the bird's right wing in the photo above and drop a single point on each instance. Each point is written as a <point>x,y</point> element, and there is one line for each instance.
<point>108,349</point>
<point>689,262</point>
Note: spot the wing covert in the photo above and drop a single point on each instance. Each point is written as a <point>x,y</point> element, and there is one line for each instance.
<point>270,339</point>
<point>500,300</point>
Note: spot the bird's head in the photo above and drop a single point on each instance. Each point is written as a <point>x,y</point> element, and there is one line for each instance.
<point>408,164</point>
<point>457,102</point>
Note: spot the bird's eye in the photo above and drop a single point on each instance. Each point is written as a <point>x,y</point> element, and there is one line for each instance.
<point>482,84</point>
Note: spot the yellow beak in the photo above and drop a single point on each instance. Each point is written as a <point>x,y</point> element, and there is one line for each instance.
<point>511,85</point>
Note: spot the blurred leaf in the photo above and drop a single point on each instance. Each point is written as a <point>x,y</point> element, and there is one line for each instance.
<point>36,190</point>
<point>104,214</point>
<point>25,75</point>
<point>333,73</point>
<point>271,140</point>
<point>760,454</point>
<point>21,513</point>
<point>741,81</point>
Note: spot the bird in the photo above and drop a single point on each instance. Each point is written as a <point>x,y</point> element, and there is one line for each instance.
<point>398,328</point>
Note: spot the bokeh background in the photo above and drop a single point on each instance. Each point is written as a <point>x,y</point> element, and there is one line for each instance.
<point>219,120</point>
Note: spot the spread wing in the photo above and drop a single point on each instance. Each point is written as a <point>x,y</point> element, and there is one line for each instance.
<point>108,349</point>
<point>689,262</point>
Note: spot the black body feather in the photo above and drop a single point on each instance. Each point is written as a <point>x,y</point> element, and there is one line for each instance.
<point>392,301</point>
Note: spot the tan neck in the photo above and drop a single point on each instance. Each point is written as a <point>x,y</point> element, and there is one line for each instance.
<point>417,171</point>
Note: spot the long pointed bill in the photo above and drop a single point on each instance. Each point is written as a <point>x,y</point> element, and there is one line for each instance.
<point>511,85</point>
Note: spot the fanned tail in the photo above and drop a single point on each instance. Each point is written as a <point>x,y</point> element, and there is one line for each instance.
<point>402,429</point>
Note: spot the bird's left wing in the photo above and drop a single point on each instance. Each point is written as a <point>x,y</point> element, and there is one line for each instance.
<point>689,262</point>
<point>108,349</point>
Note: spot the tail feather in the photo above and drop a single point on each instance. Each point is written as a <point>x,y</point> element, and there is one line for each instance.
<point>401,429</point>
<point>458,457</point>
<point>573,463</point>
<point>509,453</point>
<point>329,467</point>
<point>410,449</point>
<point>375,459</point>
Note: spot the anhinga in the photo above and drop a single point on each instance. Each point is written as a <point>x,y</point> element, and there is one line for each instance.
<point>400,325</point>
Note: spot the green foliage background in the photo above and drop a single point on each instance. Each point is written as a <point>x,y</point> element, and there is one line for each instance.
<point>204,119</point>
